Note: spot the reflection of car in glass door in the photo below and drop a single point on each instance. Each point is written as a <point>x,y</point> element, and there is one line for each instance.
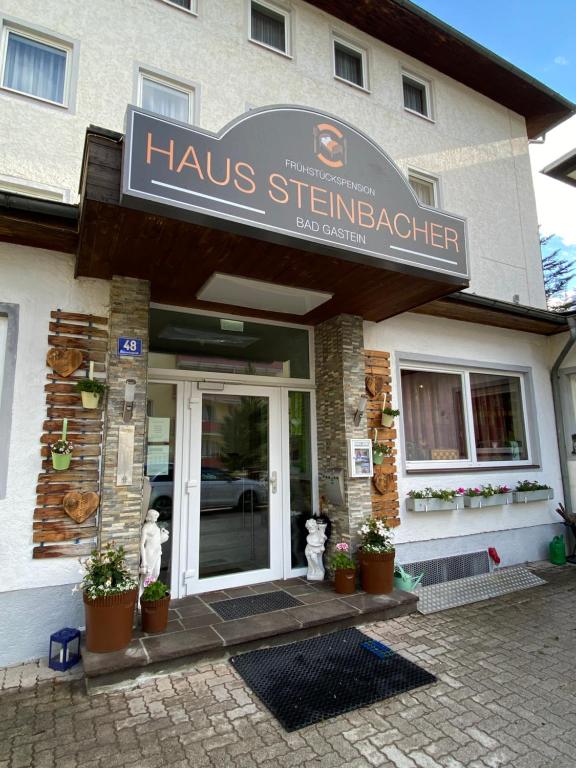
<point>221,490</point>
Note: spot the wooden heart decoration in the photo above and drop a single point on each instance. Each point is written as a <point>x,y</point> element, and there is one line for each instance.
<point>380,483</point>
<point>80,506</point>
<point>64,361</point>
<point>374,385</point>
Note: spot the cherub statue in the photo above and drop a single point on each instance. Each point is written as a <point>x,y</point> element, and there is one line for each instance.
<point>315,549</point>
<point>151,548</point>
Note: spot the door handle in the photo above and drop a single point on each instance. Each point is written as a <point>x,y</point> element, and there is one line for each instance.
<point>273,482</point>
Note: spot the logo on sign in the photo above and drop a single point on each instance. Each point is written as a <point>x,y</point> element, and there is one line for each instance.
<point>129,347</point>
<point>330,145</point>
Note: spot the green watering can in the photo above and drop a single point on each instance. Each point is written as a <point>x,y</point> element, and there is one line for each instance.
<point>405,581</point>
<point>557,551</point>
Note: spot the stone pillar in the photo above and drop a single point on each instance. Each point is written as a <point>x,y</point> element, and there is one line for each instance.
<point>120,509</point>
<point>340,381</point>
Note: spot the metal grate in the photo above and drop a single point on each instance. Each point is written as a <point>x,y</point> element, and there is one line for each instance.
<point>240,607</point>
<point>474,589</point>
<point>450,568</point>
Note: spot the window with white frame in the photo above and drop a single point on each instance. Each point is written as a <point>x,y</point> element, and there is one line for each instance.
<point>270,26</point>
<point>35,65</point>
<point>425,187</point>
<point>166,97</point>
<point>350,63</point>
<point>463,416</point>
<point>186,5</point>
<point>417,95</point>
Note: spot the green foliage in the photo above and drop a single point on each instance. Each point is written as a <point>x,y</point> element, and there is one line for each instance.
<point>91,385</point>
<point>382,448</point>
<point>62,447</point>
<point>106,572</point>
<point>445,494</point>
<point>390,412</point>
<point>341,558</point>
<point>155,590</point>
<point>559,271</point>
<point>376,536</point>
<point>486,491</point>
<point>531,485</point>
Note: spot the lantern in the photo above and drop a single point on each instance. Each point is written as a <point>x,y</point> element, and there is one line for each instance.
<point>64,649</point>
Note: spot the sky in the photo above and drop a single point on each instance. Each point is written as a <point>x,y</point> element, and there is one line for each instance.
<point>539,37</point>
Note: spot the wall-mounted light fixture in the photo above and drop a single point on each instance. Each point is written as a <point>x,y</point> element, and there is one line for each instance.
<point>129,392</point>
<point>360,408</point>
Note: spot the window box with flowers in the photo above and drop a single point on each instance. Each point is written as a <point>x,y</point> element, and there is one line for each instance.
<point>530,490</point>
<point>486,496</point>
<point>434,500</point>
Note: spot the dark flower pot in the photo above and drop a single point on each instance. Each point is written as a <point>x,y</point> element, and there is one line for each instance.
<point>377,572</point>
<point>155,614</point>
<point>109,621</point>
<point>345,581</point>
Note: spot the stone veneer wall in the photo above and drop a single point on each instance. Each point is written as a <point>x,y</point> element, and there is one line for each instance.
<point>121,506</point>
<point>340,381</point>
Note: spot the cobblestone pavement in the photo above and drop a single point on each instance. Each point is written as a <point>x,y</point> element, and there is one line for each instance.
<point>506,696</point>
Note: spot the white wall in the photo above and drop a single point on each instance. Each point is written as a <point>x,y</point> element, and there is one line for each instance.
<point>476,146</point>
<point>422,335</point>
<point>38,281</point>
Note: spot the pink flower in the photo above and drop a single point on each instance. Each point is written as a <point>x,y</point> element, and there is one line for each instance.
<point>477,490</point>
<point>460,491</point>
<point>148,580</point>
<point>342,547</point>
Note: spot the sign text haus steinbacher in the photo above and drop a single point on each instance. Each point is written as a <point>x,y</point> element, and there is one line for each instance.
<point>289,172</point>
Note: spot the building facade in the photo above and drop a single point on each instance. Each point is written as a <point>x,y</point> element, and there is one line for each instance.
<point>237,355</point>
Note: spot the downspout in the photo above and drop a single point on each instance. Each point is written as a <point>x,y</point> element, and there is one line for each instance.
<point>559,413</point>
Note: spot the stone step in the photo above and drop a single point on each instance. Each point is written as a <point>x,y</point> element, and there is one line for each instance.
<point>196,633</point>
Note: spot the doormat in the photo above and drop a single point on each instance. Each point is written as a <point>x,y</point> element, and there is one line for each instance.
<point>313,680</point>
<point>240,607</point>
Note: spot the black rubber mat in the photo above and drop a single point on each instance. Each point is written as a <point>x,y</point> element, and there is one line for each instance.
<point>240,607</point>
<point>313,680</point>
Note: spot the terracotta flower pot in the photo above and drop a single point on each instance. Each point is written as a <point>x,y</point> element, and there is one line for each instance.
<point>109,621</point>
<point>345,581</point>
<point>90,399</point>
<point>377,572</point>
<point>155,614</point>
<point>61,461</point>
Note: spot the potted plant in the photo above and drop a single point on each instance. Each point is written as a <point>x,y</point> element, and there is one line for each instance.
<point>109,594</point>
<point>376,557</point>
<point>531,490</point>
<point>486,496</point>
<point>61,451</point>
<point>434,500</point>
<point>379,451</point>
<point>388,416</point>
<point>344,570</point>
<point>154,604</point>
<point>91,390</point>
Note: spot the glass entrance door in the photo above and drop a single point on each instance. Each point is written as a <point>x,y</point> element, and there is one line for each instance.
<point>235,490</point>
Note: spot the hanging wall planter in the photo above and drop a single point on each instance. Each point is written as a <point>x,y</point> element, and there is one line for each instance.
<point>524,497</point>
<point>91,389</point>
<point>61,450</point>
<point>497,500</point>
<point>434,505</point>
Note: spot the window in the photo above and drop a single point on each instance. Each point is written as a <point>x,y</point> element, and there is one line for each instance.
<point>166,97</point>
<point>425,188</point>
<point>269,26</point>
<point>8,344</point>
<point>349,63</point>
<point>463,416</point>
<point>416,95</point>
<point>36,67</point>
<point>186,5</point>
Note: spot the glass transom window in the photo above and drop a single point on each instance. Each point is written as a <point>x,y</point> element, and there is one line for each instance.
<point>268,26</point>
<point>164,99</point>
<point>35,68</point>
<point>471,417</point>
<point>190,342</point>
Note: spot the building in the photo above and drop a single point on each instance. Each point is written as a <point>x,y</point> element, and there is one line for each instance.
<point>237,353</point>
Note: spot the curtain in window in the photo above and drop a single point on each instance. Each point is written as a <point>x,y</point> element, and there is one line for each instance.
<point>166,101</point>
<point>414,96</point>
<point>424,190</point>
<point>183,4</point>
<point>498,417</point>
<point>433,416</point>
<point>35,68</point>
<point>348,65</point>
<point>268,27</point>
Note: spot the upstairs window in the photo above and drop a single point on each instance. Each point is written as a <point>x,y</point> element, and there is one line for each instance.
<point>187,5</point>
<point>167,98</point>
<point>349,63</point>
<point>269,26</point>
<point>425,188</point>
<point>36,67</point>
<point>416,95</point>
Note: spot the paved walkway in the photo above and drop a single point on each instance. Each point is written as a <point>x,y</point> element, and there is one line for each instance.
<point>506,697</point>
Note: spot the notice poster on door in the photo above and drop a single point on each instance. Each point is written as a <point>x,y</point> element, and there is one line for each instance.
<point>158,429</point>
<point>157,460</point>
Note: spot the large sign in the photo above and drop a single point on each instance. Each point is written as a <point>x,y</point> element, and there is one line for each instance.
<point>291,175</point>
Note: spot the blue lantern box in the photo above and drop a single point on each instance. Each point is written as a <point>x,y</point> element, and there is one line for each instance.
<point>64,649</point>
